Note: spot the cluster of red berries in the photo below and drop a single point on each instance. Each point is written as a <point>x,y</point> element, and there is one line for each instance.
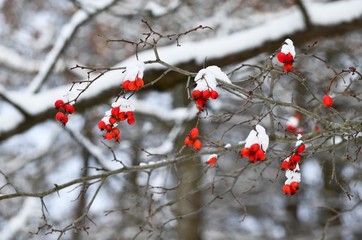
<point>295,158</point>
<point>287,60</point>
<point>201,97</point>
<point>255,153</point>
<point>291,167</point>
<point>109,124</point>
<point>327,101</point>
<point>192,141</point>
<point>133,85</point>
<point>291,189</point>
<point>63,110</point>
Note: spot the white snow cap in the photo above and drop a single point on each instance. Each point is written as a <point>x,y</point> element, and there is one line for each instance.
<point>293,175</point>
<point>293,121</point>
<point>258,136</point>
<point>133,69</point>
<point>206,78</point>
<point>288,47</point>
<point>124,104</point>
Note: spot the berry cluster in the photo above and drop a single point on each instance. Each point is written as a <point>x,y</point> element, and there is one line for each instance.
<point>287,55</point>
<point>120,111</point>
<point>192,141</point>
<point>133,76</point>
<point>63,110</point>
<point>327,101</point>
<point>292,124</point>
<point>291,167</point>
<point>212,160</point>
<point>256,145</point>
<point>133,85</point>
<point>201,97</point>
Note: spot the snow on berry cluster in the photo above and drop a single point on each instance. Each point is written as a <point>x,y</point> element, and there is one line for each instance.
<point>287,55</point>
<point>192,139</point>
<point>256,145</point>
<point>63,110</point>
<point>121,110</point>
<point>292,124</point>
<point>206,85</point>
<point>291,167</point>
<point>133,77</point>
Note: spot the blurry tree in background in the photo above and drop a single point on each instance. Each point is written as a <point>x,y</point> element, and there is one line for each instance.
<point>70,182</point>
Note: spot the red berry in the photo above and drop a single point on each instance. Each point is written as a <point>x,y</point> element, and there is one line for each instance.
<point>206,94</point>
<point>212,161</point>
<point>327,101</point>
<point>285,165</point>
<point>112,120</point>
<point>197,144</point>
<point>281,57</point>
<point>58,104</point>
<point>295,158</point>
<point>194,133</point>
<point>61,117</point>
<point>188,141</point>
<point>131,120</point>
<point>301,148</point>
<point>101,125</point>
<point>196,94</point>
<point>245,152</point>
<point>201,104</point>
<point>294,186</point>
<point>125,84</point>
<point>132,86</point>
<point>122,116</point>
<point>129,114</point>
<point>108,135</point>
<point>252,158</point>
<point>139,82</point>
<point>288,67</point>
<point>289,58</point>
<point>287,189</point>
<point>109,127</point>
<point>260,155</point>
<point>214,94</point>
<point>254,148</point>
<point>69,108</point>
<point>115,111</point>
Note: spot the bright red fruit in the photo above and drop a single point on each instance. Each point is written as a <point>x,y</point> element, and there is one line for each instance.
<point>125,84</point>
<point>245,152</point>
<point>101,125</point>
<point>327,101</point>
<point>214,94</point>
<point>131,120</point>
<point>196,94</point>
<point>289,58</point>
<point>61,117</point>
<point>194,133</point>
<point>212,161</point>
<point>132,86</point>
<point>112,120</point>
<point>188,141</point>
<point>254,148</point>
<point>288,67</point>
<point>197,144</point>
<point>281,57</point>
<point>69,108</point>
<point>206,94</point>
<point>122,116</point>
<point>285,165</point>
<point>301,148</point>
<point>58,103</point>
<point>139,82</point>
<point>108,135</point>
<point>294,186</point>
<point>260,155</point>
<point>115,111</point>
<point>295,158</point>
<point>287,189</point>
